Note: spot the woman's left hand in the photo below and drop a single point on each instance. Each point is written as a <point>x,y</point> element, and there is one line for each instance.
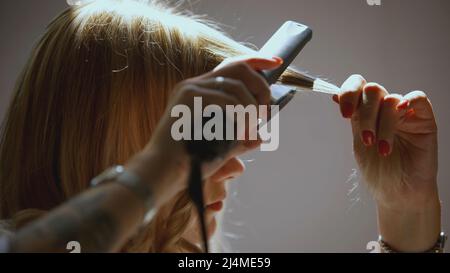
<point>395,145</point>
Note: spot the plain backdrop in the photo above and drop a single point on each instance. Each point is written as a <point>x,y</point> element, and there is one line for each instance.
<point>306,196</point>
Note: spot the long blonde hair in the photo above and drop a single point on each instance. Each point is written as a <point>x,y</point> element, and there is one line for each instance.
<point>90,96</point>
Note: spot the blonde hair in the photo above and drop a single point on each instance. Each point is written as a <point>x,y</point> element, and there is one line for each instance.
<point>94,89</point>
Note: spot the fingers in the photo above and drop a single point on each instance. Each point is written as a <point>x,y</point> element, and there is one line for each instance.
<point>418,115</point>
<point>254,82</point>
<point>227,92</point>
<point>235,84</point>
<point>254,61</point>
<point>209,96</point>
<point>246,72</point>
<point>238,90</point>
<point>389,116</point>
<point>350,95</point>
<point>372,98</point>
<point>376,114</point>
<point>418,102</point>
<point>380,113</point>
<point>263,64</point>
<point>232,87</point>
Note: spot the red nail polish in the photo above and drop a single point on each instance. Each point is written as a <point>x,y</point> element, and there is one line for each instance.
<point>384,148</point>
<point>336,98</point>
<point>347,110</point>
<point>410,113</point>
<point>403,105</point>
<point>368,137</point>
<point>278,59</point>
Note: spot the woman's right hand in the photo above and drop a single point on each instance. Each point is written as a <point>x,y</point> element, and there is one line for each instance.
<point>164,162</point>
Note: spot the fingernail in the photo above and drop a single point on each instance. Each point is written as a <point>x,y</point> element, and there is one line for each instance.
<point>347,110</point>
<point>410,113</point>
<point>336,99</point>
<point>368,137</point>
<point>278,59</point>
<point>403,105</point>
<point>384,148</point>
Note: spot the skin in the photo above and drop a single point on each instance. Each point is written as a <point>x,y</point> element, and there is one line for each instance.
<point>102,219</point>
<point>242,85</point>
<point>409,219</point>
<point>397,128</point>
<point>215,193</point>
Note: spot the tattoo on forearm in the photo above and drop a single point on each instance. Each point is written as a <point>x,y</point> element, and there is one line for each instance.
<point>84,219</point>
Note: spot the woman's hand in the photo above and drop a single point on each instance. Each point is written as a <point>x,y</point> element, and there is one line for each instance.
<point>395,145</point>
<point>241,85</point>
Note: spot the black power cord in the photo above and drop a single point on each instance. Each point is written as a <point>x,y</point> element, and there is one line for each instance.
<point>196,194</point>
<point>204,151</point>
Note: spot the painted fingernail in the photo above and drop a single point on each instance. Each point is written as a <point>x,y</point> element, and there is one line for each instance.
<point>336,98</point>
<point>278,59</point>
<point>403,105</point>
<point>384,148</point>
<point>368,138</point>
<point>410,113</point>
<point>347,110</point>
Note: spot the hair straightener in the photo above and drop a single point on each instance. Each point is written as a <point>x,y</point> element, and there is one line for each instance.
<point>286,43</point>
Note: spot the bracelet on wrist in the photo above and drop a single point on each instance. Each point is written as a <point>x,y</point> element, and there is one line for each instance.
<point>132,182</point>
<point>438,247</point>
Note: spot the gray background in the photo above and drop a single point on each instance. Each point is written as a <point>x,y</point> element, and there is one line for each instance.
<point>300,198</point>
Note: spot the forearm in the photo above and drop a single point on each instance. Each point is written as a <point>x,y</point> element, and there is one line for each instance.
<point>100,219</point>
<point>410,231</point>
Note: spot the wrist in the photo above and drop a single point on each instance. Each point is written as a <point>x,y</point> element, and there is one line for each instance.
<point>410,230</point>
<point>165,174</point>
